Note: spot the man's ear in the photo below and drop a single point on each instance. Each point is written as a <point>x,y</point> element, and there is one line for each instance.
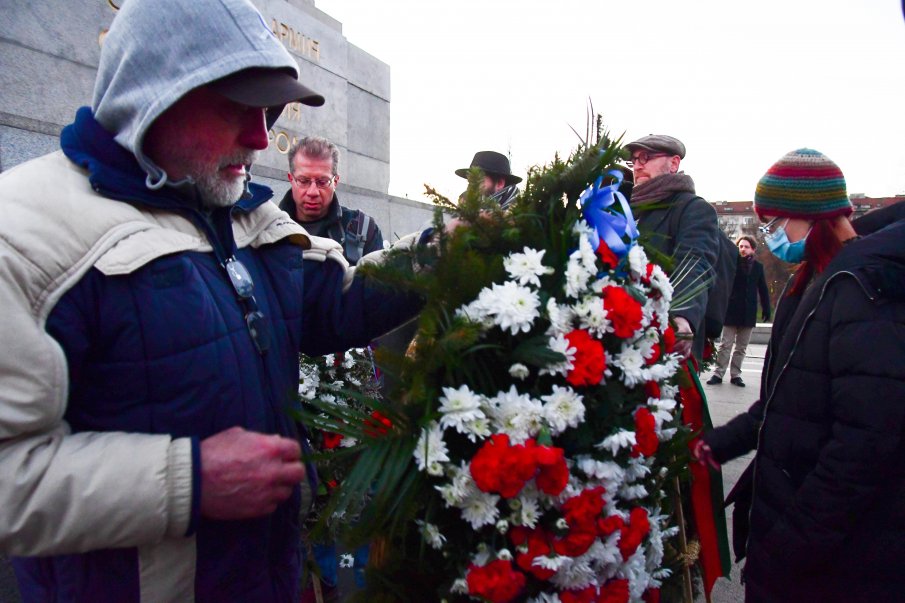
<point>289,175</point>
<point>674,162</point>
<point>336,181</point>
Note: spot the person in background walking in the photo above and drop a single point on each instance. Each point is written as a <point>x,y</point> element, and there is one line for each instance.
<point>742,312</point>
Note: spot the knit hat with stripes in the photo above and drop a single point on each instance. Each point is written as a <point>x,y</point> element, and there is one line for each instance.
<point>803,184</point>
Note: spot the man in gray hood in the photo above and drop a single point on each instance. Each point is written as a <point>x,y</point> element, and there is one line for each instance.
<point>154,306</point>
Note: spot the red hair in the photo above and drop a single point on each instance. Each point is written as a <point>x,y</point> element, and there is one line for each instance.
<point>820,248</point>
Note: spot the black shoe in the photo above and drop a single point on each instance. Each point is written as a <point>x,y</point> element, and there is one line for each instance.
<point>715,380</point>
<point>737,381</point>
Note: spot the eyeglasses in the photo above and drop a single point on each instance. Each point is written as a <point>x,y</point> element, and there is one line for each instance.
<point>643,157</point>
<point>321,183</point>
<point>770,227</point>
<point>244,287</point>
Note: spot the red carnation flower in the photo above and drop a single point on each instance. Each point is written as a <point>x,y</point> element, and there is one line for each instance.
<point>585,595</point>
<point>656,353</point>
<point>633,534</point>
<point>608,525</point>
<point>331,440</point>
<point>378,425</point>
<point>652,389</point>
<point>538,546</point>
<point>651,595</point>
<point>501,468</point>
<point>669,339</point>
<point>553,474</point>
<point>614,591</point>
<point>623,311</point>
<point>497,581</point>
<point>577,541</point>
<point>590,359</point>
<point>606,255</point>
<point>585,508</point>
<point>646,441</point>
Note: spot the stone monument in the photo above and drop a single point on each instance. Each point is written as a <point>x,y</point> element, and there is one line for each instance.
<point>49,52</point>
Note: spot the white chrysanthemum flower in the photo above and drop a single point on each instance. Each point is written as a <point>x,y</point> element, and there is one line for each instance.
<point>559,343</point>
<point>621,439</point>
<point>459,487</point>
<point>527,267</point>
<point>563,409</point>
<point>574,574</point>
<point>504,554</point>
<point>560,318</point>
<point>665,369</point>
<point>637,468</point>
<point>458,407</point>
<point>519,371</point>
<point>562,524</point>
<point>477,313</point>
<point>637,261</point>
<point>328,398</point>
<point>346,560</point>
<point>517,415</point>
<point>478,427</point>
<point>660,282</point>
<point>602,470</point>
<point>480,509</point>
<point>529,514</point>
<point>655,540</point>
<point>631,362</point>
<point>348,442</point>
<point>551,563</point>
<point>605,556</point>
<point>459,587</point>
<point>431,534</point>
<point>593,316</point>
<point>581,267</point>
<point>330,359</point>
<point>632,492</point>
<point>431,450</point>
<point>511,306</point>
<point>502,526</point>
<point>349,359</point>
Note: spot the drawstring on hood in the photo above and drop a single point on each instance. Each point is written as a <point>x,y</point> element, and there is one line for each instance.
<point>142,74</point>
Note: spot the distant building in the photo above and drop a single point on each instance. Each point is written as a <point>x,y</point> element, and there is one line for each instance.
<point>738,218</point>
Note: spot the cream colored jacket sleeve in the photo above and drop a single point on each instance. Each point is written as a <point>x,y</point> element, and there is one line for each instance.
<point>62,492</point>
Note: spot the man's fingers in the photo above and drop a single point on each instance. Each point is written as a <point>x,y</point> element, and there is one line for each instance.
<point>289,450</point>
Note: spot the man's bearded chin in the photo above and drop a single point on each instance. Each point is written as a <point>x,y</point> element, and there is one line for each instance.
<point>216,188</point>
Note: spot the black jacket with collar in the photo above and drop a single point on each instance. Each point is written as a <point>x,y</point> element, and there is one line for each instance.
<point>746,288</point>
<point>342,224</point>
<point>827,519</point>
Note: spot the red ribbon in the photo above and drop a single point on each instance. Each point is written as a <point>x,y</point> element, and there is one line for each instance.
<point>706,486</point>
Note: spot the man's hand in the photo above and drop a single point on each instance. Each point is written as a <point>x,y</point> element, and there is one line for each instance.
<point>246,474</point>
<point>684,337</point>
<point>701,452</point>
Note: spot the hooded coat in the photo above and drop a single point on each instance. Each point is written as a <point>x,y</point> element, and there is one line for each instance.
<point>825,510</point>
<point>128,345</point>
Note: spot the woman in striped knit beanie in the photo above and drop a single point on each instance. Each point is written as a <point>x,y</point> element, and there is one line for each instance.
<point>802,198</point>
<point>818,513</point>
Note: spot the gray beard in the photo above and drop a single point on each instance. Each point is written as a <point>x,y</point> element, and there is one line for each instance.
<point>216,192</point>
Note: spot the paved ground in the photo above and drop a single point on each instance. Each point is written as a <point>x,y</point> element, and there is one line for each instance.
<point>725,402</point>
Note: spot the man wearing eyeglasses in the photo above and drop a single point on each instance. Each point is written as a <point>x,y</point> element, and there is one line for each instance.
<point>677,223</point>
<point>313,202</point>
<point>154,304</point>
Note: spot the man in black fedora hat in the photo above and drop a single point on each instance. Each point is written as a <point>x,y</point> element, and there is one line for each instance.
<point>499,182</point>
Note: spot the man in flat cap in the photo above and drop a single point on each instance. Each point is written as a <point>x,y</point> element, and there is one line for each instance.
<point>679,224</point>
<point>154,304</point>
<point>499,182</point>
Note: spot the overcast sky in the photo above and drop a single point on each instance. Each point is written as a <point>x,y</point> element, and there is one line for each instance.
<point>740,83</point>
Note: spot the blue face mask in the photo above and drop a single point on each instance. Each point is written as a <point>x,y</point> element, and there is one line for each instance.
<point>779,245</point>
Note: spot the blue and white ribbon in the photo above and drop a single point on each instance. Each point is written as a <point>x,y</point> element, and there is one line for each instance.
<point>598,207</point>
